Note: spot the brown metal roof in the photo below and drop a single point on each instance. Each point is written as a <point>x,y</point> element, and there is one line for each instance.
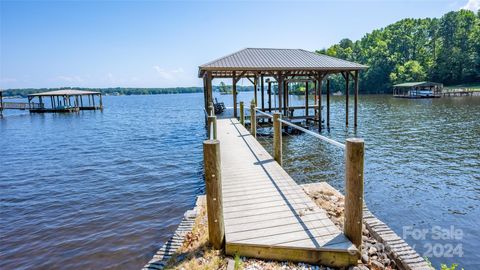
<point>263,59</point>
<point>417,84</point>
<point>65,92</point>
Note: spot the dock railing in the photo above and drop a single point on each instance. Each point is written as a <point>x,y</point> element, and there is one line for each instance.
<point>22,105</point>
<point>354,169</point>
<point>213,184</point>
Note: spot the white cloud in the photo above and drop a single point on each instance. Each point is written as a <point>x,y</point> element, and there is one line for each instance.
<point>7,80</point>
<point>171,74</point>
<point>472,5</point>
<point>70,79</point>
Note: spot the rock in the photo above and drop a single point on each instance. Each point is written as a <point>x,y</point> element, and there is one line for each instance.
<point>377,265</point>
<point>363,267</point>
<point>354,268</point>
<point>365,258</point>
<point>230,264</point>
<point>372,250</point>
<point>190,214</point>
<point>386,262</point>
<point>364,238</point>
<point>380,247</point>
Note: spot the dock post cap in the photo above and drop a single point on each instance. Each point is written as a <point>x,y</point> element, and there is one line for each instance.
<point>355,140</point>
<point>214,141</point>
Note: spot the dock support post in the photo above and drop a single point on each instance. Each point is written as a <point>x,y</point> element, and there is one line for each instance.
<point>269,96</point>
<point>255,85</point>
<point>242,113</point>
<point>328,103</point>
<point>354,161</point>
<point>234,93</point>
<point>355,113</point>
<point>315,101</point>
<point>306,100</point>
<point>253,120</point>
<point>347,90</point>
<point>262,89</point>
<point>1,104</point>
<point>213,186</point>
<point>211,109</point>
<point>319,90</point>
<point>280,91</point>
<point>212,120</point>
<point>277,138</point>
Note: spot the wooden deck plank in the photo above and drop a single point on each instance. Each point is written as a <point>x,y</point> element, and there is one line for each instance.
<point>266,211</point>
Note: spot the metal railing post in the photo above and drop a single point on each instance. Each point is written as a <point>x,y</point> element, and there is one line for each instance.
<point>253,119</point>
<point>354,169</point>
<point>277,138</point>
<point>242,113</point>
<point>213,186</point>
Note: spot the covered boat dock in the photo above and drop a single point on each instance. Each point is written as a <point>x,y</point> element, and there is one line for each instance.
<point>418,90</point>
<point>67,100</point>
<point>281,67</point>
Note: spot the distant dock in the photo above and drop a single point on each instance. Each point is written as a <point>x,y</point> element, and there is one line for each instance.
<point>60,101</point>
<point>461,92</point>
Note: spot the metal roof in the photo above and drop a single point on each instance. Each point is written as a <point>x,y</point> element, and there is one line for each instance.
<point>264,59</point>
<point>416,84</point>
<point>65,92</point>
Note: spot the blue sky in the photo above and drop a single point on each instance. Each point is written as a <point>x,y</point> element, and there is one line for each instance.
<point>162,43</point>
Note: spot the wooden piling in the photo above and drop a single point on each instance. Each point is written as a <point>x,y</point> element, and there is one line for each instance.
<point>213,186</point>
<point>354,161</point>
<point>253,120</point>
<point>242,113</point>
<point>211,109</point>
<point>269,96</point>
<point>234,93</point>
<point>277,138</point>
<point>262,88</point>
<point>355,108</point>
<point>306,99</point>
<point>212,120</point>
<point>347,91</point>
<point>328,103</point>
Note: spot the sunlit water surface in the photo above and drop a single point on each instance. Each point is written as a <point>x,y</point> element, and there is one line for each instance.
<point>106,189</point>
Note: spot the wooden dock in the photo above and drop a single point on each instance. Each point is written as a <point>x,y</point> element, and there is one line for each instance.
<point>266,214</point>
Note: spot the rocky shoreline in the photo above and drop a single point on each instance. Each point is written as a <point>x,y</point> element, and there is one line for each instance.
<point>374,255</point>
<point>377,254</point>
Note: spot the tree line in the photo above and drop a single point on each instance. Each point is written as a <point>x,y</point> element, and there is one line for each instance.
<point>445,50</point>
<point>122,90</point>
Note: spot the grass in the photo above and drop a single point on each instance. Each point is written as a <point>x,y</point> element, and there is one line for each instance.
<point>238,262</point>
<point>445,267</point>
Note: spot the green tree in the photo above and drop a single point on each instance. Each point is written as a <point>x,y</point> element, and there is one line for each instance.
<point>411,71</point>
<point>445,50</point>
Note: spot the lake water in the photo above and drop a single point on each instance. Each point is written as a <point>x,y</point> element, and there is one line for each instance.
<point>104,190</point>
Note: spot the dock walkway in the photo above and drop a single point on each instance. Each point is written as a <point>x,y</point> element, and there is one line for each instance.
<point>266,214</point>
